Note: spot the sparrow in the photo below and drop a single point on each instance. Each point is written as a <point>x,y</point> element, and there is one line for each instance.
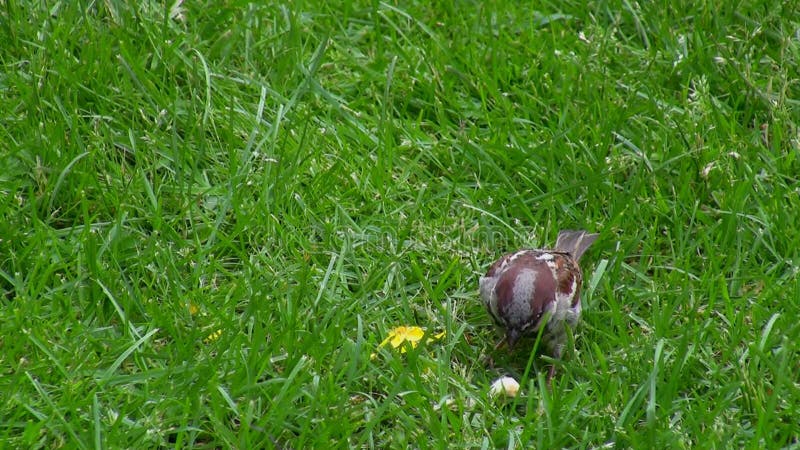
<point>528,288</point>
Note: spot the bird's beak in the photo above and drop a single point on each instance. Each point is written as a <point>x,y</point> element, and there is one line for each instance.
<point>512,336</point>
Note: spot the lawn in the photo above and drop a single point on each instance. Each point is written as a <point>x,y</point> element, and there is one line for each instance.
<point>213,213</point>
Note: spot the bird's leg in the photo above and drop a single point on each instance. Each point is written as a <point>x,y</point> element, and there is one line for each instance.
<point>489,360</point>
<point>550,374</point>
<point>557,350</point>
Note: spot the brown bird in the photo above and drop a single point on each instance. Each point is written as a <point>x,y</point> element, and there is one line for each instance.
<point>525,289</point>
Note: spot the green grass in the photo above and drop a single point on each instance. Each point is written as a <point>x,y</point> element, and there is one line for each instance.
<point>305,177</point>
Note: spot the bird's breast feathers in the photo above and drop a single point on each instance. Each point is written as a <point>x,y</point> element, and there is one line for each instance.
<point>521,287</point>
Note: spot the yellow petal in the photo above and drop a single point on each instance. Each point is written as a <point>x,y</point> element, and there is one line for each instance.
<point>411,334</point>
<point>397,340</point>
<point>213,337</point>
<point>437,336</point>
<point>403,334</point>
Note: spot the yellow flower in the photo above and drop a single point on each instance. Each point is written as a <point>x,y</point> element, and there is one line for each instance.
<point>411,335</point>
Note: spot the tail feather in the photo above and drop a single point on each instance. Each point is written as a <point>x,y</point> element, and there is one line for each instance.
<point>575,242</point>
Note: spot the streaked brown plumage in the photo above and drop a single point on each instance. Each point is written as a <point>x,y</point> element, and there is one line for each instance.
<point>523,289</point>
